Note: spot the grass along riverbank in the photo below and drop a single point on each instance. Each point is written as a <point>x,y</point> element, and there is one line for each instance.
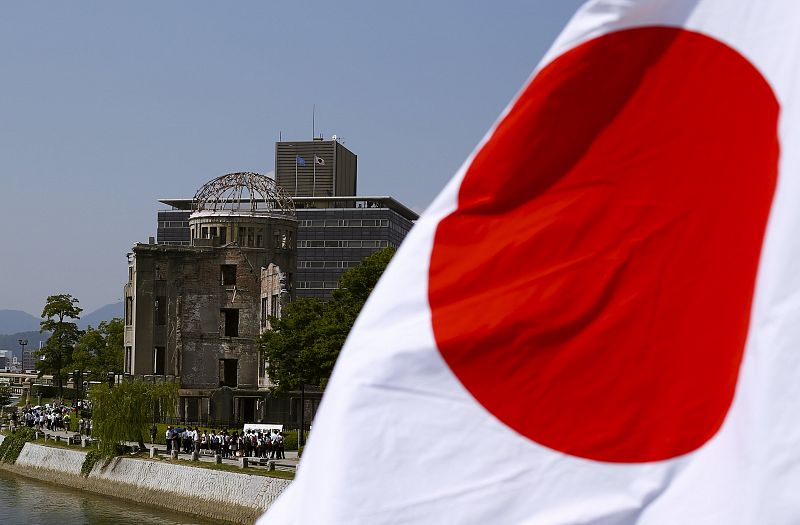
<point>206,462</point>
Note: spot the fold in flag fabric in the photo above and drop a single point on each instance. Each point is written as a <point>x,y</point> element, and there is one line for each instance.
<point>300,161</point>
<point>597,321</point>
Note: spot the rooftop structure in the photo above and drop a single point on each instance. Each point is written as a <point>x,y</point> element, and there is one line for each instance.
<point>300,203</point>
<point>315,168</point>
<point>242,193</point>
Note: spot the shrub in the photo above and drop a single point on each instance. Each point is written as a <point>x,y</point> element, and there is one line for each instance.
<point>126,412</point>
<point>13,443</point>
<point>91,459</point>
<point>290,440</point>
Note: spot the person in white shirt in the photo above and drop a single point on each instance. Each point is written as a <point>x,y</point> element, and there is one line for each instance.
<point>168,437</point>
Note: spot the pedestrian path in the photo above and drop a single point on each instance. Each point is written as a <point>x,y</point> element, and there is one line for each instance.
<point>287,464</point>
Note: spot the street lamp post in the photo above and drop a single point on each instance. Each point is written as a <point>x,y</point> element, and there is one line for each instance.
<point>28,397</point>
<point>84,387</point>
<point>76,374</point>
<point>301,438</point>
<point>23,343</point>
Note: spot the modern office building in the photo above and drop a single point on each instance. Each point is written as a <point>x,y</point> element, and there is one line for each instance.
<point>194,311</point>
<point>28,360</point>
<point>334,234</point>
<point>315,168</point>
<point>173,227</point>
<point>336,228</point>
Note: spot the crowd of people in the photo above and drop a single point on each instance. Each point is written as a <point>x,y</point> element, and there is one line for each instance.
<point>48,417</point>
<point>248,444</point>
<point>52,416</point>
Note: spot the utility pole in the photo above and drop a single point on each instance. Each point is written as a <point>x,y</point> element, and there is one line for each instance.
<point>301,438</point>
<point>23,343</point>
<point>76,378</point>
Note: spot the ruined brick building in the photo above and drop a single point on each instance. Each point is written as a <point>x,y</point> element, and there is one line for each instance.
<point>193,311</point>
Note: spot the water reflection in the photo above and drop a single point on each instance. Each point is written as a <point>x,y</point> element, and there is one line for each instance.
<point>25,502</point>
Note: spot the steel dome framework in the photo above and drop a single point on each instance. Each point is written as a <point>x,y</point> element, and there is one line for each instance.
<point>243,192</point>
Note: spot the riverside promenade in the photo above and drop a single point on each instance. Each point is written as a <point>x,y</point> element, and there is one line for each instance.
<point>232,495</point>
<point>288,464</point>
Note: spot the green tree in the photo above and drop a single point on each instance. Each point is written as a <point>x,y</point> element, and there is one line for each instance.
<point>287,347</point>
<point>303,345</point>
<point>84,355</point>
<point>100,350</point>
<point>356,284</point>
<point>5,396</point>
<point>341,312</point>
<point>111,355</point>
<point>55,357</point>
<point>126,411</point>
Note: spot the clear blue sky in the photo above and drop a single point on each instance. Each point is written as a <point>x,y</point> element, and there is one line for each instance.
<point>107,106</point>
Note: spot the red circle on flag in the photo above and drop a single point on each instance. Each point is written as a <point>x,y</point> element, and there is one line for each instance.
<point>593,288</point>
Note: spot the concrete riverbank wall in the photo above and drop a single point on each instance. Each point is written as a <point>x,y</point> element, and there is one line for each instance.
<point>219,495</point>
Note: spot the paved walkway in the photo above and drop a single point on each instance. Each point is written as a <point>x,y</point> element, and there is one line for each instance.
<point>290,463</point>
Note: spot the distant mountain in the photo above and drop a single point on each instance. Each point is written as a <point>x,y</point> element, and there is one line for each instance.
<point>13,321</point>
<point>11,341</point>
<point>16,325</point>
<point>104,313</point>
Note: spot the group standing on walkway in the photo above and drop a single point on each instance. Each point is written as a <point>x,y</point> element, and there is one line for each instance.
<point>247,444</point>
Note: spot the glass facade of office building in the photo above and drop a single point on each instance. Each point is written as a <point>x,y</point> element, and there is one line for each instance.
<point>333,240</point>
<point>334,234</point>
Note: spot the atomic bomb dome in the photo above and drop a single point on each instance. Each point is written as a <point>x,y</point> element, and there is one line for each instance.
<point>194,311</point>
<point>246,208</point>
<point>245,193</point>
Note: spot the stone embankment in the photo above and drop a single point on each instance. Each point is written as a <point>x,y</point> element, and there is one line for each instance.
<point>219,495</point>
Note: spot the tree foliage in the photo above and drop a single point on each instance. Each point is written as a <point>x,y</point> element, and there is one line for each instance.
<point>5,395</point>
<point>55,357</point>
<point>126,411</point>
<point>100,350</point>
<point>305,342</point>
<point>288,347</point>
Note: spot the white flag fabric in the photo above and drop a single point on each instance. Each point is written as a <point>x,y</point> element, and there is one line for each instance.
<point>598,319</point>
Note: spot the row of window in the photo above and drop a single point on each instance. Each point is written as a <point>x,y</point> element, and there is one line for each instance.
<point>308,223</point>
<point>349,223</point>
<point>342,244</point>
<point>318,285</point>
<point>227,278</point>
<point>327,264</point>
<point>159,360</point>
<point>270,307</point>
<point>248,236</point>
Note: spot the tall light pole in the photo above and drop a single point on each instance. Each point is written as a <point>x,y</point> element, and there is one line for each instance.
<point>76,377</point>
<point>84,387</point>
<point>23,343</point>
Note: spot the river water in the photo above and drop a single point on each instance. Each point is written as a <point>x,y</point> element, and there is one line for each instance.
<point>27,502</point>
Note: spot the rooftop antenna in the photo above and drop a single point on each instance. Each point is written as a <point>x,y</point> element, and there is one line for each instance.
<point>313,120</point>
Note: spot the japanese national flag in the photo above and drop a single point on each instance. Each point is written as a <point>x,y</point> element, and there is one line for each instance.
<point>598,320</point>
